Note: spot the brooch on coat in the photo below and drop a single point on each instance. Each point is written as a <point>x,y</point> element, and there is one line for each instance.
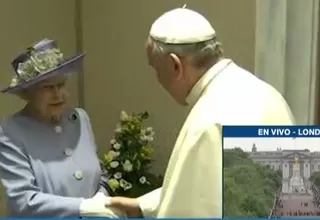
<point>73,117</point>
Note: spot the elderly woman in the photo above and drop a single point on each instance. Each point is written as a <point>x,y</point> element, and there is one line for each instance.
<point>48,161</point>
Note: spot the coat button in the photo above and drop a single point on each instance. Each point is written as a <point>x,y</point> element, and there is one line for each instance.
<point>78,175</point>
<point>68,152</point>
<point>58,129</point>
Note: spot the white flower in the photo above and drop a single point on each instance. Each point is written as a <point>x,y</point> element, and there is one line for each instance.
<point>146,138</point>
<point>149,132</point>
<point>114,153</point>
<point>113,183</point>
<point>114,164</point>
<point>118,130</point>
<point>143,137</point>
<point>117,146</point>
<point>143,180</point>
<point>127,166</point>
<point>113,141</point>
<point>123,116</point>
<point>118,175</point>
<point>125,185</point>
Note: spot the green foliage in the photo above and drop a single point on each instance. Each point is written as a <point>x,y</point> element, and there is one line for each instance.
<point>249,187</point>
<point>315,179</point>
<point>130,158</point>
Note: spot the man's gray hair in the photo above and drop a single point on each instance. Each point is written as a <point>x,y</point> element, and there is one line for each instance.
<point>200,55</point>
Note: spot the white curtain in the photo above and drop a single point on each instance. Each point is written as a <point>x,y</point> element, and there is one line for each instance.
<point>286,52</point>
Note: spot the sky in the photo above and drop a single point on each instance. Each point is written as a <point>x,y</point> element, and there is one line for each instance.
<point>271,144</point>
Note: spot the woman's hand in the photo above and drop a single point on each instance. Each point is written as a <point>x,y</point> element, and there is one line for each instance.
<point>97,207</point>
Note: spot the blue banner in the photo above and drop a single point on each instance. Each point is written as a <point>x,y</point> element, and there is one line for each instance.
<point>271,131</point>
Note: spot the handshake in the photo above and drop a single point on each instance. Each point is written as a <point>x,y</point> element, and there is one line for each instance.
<point>113,207</point>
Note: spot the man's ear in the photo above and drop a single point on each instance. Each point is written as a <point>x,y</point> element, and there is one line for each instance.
<point>177,66</point>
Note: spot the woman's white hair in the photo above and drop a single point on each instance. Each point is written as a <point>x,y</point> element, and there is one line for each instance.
<point>24,95</point>
<point>200,55</point>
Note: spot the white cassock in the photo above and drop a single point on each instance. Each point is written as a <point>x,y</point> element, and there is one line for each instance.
<point>225,95</point>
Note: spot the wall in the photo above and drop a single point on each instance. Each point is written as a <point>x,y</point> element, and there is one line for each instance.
<point>23,23</point>
<point>117,76</point>
<point>26,22</point>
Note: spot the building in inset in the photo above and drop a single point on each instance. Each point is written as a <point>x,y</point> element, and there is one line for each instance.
<point>296,165</point>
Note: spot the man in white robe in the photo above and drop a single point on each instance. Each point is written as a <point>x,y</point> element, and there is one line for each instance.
<point>188,59</point>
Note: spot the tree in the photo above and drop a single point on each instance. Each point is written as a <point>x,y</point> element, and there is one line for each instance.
<point>315,178</point>
<point>249,188</point>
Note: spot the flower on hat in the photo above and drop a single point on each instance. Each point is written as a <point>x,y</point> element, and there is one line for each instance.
<point>14,81</point>
<point>42,61</point>
<point>38,63</point>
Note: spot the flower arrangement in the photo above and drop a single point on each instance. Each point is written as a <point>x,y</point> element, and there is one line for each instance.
<point>128,161</point>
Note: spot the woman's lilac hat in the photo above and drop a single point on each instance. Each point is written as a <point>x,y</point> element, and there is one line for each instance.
<point>40,62</point>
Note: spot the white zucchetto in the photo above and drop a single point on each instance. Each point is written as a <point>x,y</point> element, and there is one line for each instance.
<point>181,26</point>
